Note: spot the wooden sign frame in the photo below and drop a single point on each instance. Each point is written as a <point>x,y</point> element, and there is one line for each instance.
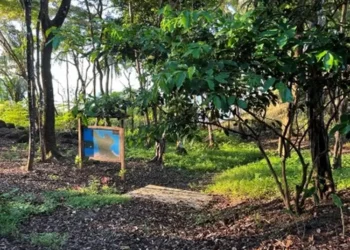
<point>118,130</point>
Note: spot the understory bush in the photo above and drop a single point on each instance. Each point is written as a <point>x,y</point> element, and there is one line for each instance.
<point>16,113</point>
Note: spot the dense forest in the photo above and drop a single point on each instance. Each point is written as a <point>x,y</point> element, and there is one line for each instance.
<point>244,100</point>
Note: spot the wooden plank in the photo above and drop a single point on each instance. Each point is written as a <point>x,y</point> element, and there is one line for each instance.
<point>80,143</point>
<point>173,196</point>
<point>106,128</point>
<point>122,152</point>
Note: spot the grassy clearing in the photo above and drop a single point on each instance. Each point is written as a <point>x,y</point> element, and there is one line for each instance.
<point>242,173</point>
<point>15,207</point>
<point>49,240</point>
<point>229,153</point>
<point>254,180</point>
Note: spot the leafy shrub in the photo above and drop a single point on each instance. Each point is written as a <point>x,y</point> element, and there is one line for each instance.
<point>16,113</point>
<point>65,121</point>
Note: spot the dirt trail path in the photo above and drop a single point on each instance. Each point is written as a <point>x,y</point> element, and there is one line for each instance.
<point>150,224</point>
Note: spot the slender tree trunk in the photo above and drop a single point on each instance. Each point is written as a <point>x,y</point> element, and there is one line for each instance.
<point>159,151</point>
<point>287,124</point>
<point>155,115</point>
<point>107,76</point>
<point>338,138</point>
<point>31,84</point>
<point>67,83</point>
<point>94,79</point>
<point>148,122</point>
<point>210,136</point>
<point>100,73</point>
<point>319,142</point>
<point>40,90</point>
<point>49,114</point>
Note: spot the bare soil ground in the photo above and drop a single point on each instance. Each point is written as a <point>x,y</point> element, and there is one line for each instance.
<point>145,224</point>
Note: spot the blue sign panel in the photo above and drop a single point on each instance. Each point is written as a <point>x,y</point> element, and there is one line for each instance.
<point>101,144</point>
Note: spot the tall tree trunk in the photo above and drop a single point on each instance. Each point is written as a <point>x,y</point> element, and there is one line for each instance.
<point>40,89</point>
<point>100,74</point>
<point>338,138</point>
<point>31,84</point>
<point>49,114</point>
<point>319,141</point>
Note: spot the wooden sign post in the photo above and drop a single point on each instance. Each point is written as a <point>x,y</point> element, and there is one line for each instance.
<point>102,144</point>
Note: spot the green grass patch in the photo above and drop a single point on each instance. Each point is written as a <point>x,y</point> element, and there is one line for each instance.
<point>229,153</point>
<point>225,156</point>
<point>97,200</point>
<point>94,195</point>
<point>16,207</point>
<point>254,180</point>
<point>49,240</point>
<point>342,176</point>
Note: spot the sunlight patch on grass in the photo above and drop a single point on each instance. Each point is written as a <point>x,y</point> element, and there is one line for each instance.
<point>229,153</point>
<point>254,180</point>
<point>226,156</point>
<point>342,176</point>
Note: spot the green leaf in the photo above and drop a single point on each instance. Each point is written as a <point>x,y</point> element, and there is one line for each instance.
<point>319,56</point>
<point>337,201</point>
<point>345,118</point>
<point>270,33</point>
<point>269,82</point>
<point>328,61</point>
<point>180,78</point>
<point>345,130</point>
<point>217,102</point>
<point>231,100</point>
<point>53,29</point>
<point>186,19</point>
<point>94,55</point>
<point>336,128</point>
<point>282,41</point>
<point>242,104</point>
<point>191,71</point>
<point>211,84</point>
<point>309,192</point>
<point>285,92</point>
<point>196,53</point>
<point>221,77</point>
<point>56,42</point>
